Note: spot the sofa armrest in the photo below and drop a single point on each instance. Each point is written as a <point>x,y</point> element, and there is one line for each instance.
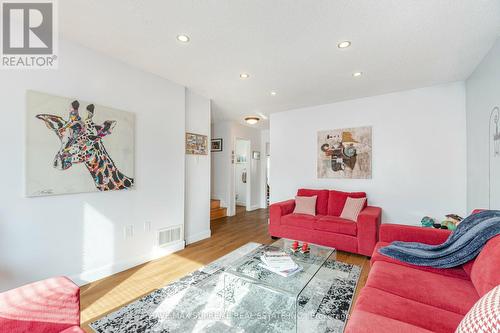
<point>279,209</point>
<point>368,224</point>
<point>408,233</point>
<point>51,305</point>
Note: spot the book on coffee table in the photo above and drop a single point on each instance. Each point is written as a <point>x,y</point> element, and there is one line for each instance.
<point>280,263</point>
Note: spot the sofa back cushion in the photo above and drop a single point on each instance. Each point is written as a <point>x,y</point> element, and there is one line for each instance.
<point>321,200</point>
<point>337,199</point>
<point>485,273</point>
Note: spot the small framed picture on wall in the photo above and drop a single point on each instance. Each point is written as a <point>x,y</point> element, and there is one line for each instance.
<point>216,145</point>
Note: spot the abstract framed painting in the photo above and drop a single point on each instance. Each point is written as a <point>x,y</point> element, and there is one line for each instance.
<point>345,153</point>
<point>74,146</point>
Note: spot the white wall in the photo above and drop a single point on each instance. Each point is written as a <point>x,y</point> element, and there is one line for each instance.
<point>265,142</point>
<point>197,209</point>
<point>242,149</point>
<point>483,94</point>
<point>82,235</point>
<point>419,151</point>
<point>223,169</point>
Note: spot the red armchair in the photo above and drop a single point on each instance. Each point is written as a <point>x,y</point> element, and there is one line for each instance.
<point>48,306</point>
<point>327,228</point>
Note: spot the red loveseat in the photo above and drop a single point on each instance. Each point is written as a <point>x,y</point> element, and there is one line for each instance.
<point>49,306</point>
<point>400,297</point>
<point>327,228</point>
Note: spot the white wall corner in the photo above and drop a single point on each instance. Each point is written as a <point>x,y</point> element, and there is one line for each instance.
<point>198,236</point>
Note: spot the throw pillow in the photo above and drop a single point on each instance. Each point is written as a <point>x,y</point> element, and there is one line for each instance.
<point>484,316</point>
<point>352,208</point>
<point>305,205</point>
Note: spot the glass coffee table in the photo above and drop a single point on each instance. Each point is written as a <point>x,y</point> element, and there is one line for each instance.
<point>258,300</point>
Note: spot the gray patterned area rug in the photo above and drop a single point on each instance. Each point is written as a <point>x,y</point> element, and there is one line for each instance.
<point>202,302</point>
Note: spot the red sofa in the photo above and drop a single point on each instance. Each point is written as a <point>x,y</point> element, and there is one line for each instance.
<point>327,228</point>
<point>400,297</point>
<point>48,306</point>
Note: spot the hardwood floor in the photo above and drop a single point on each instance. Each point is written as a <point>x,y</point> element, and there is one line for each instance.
<point>109,294</point>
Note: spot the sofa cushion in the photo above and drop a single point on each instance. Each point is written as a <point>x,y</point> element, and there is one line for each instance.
<point>300,220</point>
<point>337,199</point>
<point>352,208</point>
<point>321,200</point>
<point>457,272</point>
<point>50,305</point>
<point>389,305</point>
<point>305,205</point>
<point>337,225</point>
<point>448,293</point>
<point>485,273</point>
<point>364,322</point>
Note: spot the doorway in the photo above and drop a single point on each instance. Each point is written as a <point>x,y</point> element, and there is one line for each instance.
<point>242,175</point>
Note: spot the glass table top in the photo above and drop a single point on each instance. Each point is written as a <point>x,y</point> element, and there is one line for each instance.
<point>249,267</point>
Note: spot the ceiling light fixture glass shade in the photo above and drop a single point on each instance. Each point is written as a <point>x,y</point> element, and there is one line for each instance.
<point>357,74</point>
<point>344,44</point>
<point>244,76</point>
<point>252,120</point>
<point>183,38</point>
<point>273,93</point>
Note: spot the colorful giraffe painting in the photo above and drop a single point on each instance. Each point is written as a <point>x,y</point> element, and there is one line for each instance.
<point>81,142</point>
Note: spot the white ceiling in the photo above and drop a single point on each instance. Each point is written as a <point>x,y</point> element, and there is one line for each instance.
<point>289,45</point>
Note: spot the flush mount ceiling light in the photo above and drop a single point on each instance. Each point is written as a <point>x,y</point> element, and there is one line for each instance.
<point>252,120</point>
<point>344,44</point>
<point>273,93</point>
<point>244,76</point>
<point>183,38</point>
<point>357,74</point>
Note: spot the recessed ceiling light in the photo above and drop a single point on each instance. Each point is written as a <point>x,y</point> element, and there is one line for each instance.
<point>357,74</point>
<point>273,93</point>
<point>183,38</point>
<point>244,76</point>
<point>252,120</point>
<point>344,44</point>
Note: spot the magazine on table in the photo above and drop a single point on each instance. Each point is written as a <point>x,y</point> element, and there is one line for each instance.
<point>280,263</point>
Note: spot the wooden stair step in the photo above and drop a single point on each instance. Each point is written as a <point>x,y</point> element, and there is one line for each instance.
<point>214,203</point>
<point>217,213</point>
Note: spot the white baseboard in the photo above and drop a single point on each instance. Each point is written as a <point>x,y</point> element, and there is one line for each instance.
<point>254,207</point>
<point>198,236</point>
<point>105,271</point>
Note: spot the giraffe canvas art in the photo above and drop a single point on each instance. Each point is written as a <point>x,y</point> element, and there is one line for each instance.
<point>74,151</point>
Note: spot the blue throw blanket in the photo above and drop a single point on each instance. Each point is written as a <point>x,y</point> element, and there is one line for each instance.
<point>462,245</point>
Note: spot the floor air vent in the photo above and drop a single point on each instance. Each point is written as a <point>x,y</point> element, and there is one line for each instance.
<point>169,235</point>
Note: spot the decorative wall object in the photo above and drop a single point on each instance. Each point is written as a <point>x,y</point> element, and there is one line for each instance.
<point>345,153</point>
<point>72,151</point>
<point>196,144</point>
<point>256,155</point>
<point>216,145</point>
<point>495,117</point>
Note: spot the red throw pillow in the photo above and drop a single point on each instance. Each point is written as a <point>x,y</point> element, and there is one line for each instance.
<point>484,316</point>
